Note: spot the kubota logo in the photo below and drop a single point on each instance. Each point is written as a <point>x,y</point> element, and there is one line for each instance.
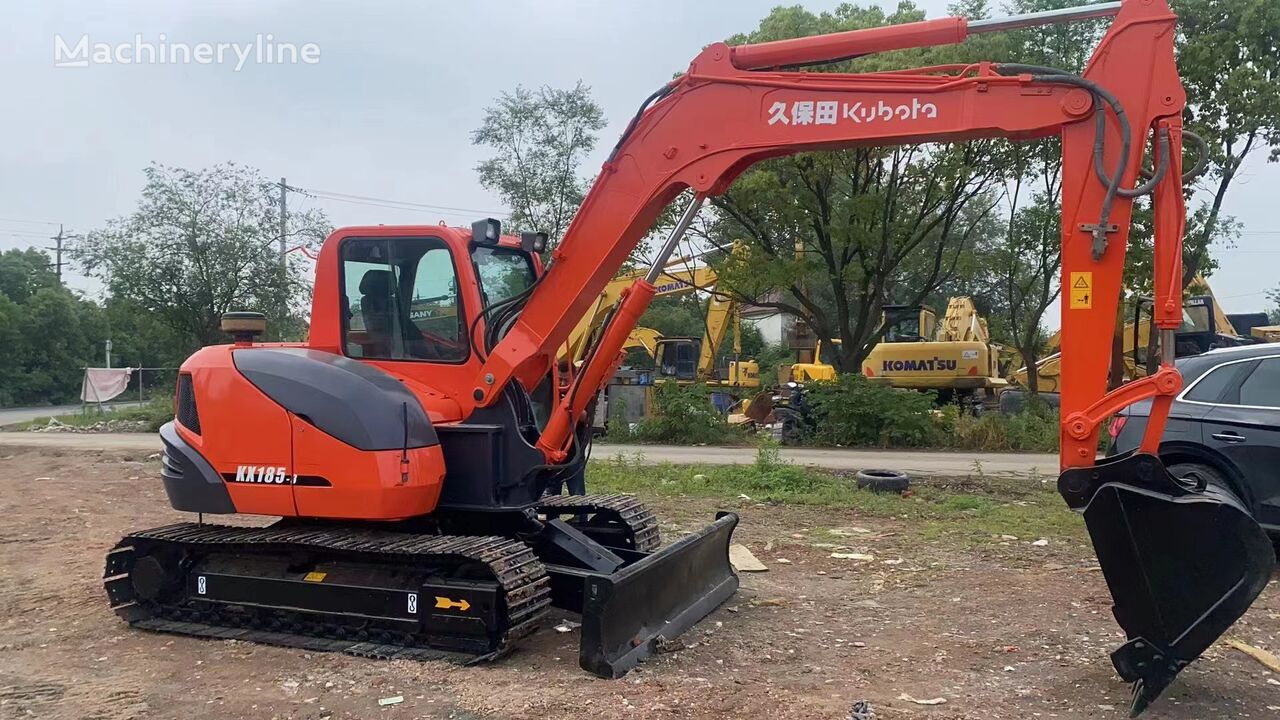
<point>832,112</point>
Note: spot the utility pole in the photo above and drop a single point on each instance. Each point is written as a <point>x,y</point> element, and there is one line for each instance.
<point>57,248</point>
<point>284,220</point>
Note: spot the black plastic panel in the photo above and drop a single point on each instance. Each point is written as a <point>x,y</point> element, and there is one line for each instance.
<point>189,480</point>
<point>356,403</point>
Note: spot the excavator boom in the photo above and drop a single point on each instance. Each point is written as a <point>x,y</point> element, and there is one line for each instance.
<point>735,107</point>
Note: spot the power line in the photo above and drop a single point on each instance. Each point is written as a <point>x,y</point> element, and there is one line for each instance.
<point>1250,294</point>
<point>28,222</point>
<point>20,234</point>
<point>387,202</point>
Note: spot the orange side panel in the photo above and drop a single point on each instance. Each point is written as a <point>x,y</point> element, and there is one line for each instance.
<point>242,427</point>
<point>363,485</point>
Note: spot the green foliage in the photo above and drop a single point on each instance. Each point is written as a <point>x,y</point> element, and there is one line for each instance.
<point>832,236</point>
<point>854,411</point>
<point>48,334</point>
<point>769,358</point>
<point>199,244</point>
<point>1035,429</point>
<point>1230,68</point>
<point>23,272</point>
<point>539,139</point>
<point>676,316</point>
<point>683,414</point>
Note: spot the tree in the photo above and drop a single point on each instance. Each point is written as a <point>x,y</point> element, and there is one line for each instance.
<point>201,243</point>
<point>23,272</point>
<point>59,335</point>
<point>48,334</point>
<point>831,237</point>
<point>539,139</point>
<point>1231,70</point>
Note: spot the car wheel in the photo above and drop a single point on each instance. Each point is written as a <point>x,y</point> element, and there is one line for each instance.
<point>1206,474</point>
<point>1212,476</point>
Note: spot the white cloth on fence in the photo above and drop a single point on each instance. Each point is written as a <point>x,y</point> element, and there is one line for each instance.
<point>102,384</point>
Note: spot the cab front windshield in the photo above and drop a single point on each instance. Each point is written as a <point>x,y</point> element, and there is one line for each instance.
<point>503,272</point>
<point>1195,318</point>
<point>904,328</point>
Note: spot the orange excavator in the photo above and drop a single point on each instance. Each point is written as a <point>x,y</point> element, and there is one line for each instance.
<point>408,445</point>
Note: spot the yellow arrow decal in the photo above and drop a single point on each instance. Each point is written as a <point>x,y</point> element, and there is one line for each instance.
<point>444,603</point>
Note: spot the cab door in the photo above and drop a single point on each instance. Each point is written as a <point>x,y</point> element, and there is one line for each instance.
<point>1244,426</point>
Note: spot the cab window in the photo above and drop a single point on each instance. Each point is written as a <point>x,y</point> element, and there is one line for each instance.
<point>503,272</point>
<point>401,300</point>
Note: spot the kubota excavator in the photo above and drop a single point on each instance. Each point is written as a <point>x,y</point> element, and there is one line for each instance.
<point>408,465</point>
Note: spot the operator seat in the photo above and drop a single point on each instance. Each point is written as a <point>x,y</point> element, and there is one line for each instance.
<point>376,310</point>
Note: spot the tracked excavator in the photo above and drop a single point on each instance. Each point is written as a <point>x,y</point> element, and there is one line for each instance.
<point>1204,327</point>
<point>408,468</point>
<point>954,357</point>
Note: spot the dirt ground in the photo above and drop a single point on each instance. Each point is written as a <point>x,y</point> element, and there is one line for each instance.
<point>1008,630</point>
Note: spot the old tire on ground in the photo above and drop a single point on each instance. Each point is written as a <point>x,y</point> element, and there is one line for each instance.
<point>883,481</point>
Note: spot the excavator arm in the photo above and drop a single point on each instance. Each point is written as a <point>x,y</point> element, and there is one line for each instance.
<point>1182,560</point>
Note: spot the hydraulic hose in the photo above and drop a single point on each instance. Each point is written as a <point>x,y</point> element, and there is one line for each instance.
<point>1054,75</point>
<point>1153,178</point>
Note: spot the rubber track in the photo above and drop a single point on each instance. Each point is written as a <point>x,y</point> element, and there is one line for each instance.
<point>633,513</point>
<point>517,570</point>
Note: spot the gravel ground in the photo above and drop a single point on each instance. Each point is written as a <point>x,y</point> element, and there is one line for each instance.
<point>1004,630</point>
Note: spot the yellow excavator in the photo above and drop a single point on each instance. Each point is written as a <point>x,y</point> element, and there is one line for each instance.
<point>1205,326</point>
<point>955,356</point>
<point>687,359</point>
<point>682,359</point>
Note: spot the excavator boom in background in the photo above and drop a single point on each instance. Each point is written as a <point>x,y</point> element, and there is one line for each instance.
<point>408,444</point>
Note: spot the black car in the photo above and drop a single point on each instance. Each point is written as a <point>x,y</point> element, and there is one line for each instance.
<point>1224,427</point>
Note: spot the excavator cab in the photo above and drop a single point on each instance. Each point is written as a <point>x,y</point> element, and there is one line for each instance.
<point>1201,330</point>
<point>677,358</point>
<point>909,323</point>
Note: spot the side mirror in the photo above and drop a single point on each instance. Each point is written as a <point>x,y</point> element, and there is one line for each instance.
<point>244,327</point>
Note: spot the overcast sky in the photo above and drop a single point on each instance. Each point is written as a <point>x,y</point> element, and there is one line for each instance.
<point>385,113</point>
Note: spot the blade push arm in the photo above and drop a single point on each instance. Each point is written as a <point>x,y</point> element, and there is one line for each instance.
<point>707,127</point>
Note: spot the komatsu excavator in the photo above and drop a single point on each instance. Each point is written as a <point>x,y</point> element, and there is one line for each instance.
<point>406,463</point>
<point>954,357</point>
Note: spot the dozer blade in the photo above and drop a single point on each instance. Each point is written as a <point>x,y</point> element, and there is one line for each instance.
<point>656,597</point>
<point>1183,562</point>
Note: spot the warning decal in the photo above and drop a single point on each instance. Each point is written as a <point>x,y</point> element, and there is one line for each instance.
<point>1081,291</point>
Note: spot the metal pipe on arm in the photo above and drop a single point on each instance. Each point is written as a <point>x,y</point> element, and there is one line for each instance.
<point>604,358</point>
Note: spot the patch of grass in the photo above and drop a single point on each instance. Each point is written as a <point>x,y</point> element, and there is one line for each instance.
<point>967,509</point>
<point>154,413</point>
